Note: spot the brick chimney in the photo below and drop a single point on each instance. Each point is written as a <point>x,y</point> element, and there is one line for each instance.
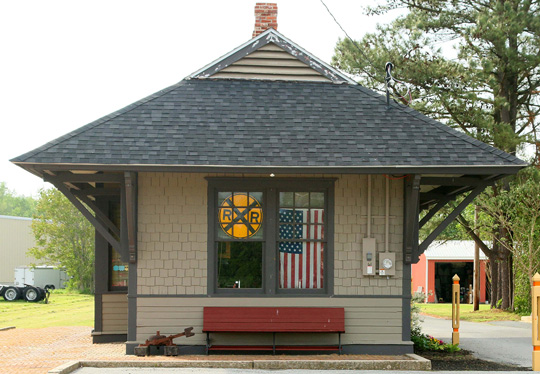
<point>265,18</point>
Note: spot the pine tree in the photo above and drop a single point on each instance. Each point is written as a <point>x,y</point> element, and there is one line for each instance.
<point>489,89</point>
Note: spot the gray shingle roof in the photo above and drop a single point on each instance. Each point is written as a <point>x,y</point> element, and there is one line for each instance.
<point>247,123</point>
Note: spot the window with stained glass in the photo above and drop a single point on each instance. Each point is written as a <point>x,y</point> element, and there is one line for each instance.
<point>240,235</point>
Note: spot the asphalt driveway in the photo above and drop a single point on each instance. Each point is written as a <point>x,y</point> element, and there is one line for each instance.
<point>508,342</point>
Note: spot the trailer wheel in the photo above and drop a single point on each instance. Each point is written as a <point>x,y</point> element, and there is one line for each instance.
<point>12,293</point>
<point>31,294</point>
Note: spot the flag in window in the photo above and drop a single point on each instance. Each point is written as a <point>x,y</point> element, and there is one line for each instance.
<point>301,262</point>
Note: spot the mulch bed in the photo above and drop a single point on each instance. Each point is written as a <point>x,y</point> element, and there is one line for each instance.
<point>465,361</point>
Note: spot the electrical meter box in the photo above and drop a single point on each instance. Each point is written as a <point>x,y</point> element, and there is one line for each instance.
<point>387,264</point>
<point>369,247</point>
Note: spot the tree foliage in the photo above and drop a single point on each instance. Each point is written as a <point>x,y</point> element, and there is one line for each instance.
<point>489,88</point>
<point>14,205</point>
<point>64,238</point>
<point>517,211</point>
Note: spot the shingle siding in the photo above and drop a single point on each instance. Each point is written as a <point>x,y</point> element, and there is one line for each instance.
<point>172,235</point>
<point>172,229</point>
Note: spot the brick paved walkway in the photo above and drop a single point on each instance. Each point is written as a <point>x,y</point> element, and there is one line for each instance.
<point>39,350</point>
<point>36,351</point>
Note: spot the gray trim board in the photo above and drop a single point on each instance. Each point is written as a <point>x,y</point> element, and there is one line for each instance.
<point>410,216</point>
<point>406,304</point>
<point>98,310</point>
<point>378,349</point>
<point>149,296</point>
<point>132,274</point>
<point>504,170</point>
<point>109,338</point>
<point>130,347</point>
<point>270,285</point>
<point>84,178</point>
<point>408,232</point>
<point>130,190</point>
<point>124,241</point>
<point>451,181</point>
<point>366,349</point>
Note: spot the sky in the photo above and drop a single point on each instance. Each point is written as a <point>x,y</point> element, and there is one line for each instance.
<point>67,63</point>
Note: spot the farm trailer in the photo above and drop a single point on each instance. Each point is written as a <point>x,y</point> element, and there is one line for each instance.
<point>28,293</point>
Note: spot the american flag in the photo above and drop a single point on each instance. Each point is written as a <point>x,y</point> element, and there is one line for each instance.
<point>301,263</point>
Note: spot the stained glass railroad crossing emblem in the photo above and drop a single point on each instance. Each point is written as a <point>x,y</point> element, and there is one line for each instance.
<point>240,216</point>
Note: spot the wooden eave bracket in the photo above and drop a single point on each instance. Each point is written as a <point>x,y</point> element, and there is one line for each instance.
<point>451,217</point>
<point>448,190</point>
<point>98,218</point>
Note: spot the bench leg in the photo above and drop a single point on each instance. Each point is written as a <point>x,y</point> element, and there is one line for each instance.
<point>207,342</point>
<point>339,338</point>
<point>274,343</point>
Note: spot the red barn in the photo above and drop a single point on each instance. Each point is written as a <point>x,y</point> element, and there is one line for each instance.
<point>440,262</point>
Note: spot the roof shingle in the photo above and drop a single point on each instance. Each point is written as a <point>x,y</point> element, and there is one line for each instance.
<point>206,122</point>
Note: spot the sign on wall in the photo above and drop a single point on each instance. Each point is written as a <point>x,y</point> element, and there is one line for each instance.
<point>240,215</point>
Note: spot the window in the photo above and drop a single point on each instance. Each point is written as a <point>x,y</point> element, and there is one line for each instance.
<point>301,240</point>
<point>118,270</point>
<point>240,236</point>
<point>270,236</point>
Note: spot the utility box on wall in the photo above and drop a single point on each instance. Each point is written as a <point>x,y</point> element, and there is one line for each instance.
<point>369,259</point>
<point>387,264</point>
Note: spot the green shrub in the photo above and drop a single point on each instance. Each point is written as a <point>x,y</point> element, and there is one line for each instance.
<point>522,295</point>
<point>522,305</point>
<point>423,342</point>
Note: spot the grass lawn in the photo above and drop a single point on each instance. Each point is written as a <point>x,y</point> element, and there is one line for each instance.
<point>63,309</point>
<point>467,314</point>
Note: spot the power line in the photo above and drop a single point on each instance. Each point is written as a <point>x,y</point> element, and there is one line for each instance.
<point>388,71</point>
<point>351,39</point>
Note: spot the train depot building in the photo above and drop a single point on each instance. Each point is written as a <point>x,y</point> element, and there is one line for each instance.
<point>267,179</point>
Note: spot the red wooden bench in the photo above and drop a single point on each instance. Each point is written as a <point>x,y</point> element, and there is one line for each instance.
<point>273,320</point>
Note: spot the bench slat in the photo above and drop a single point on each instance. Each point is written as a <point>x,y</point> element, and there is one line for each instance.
<point>273,327</point>
<point>272,312</point>
<point>273,319</point>
<point>270,348</point>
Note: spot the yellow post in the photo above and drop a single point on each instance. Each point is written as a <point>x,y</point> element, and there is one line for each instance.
<point>535,322</point>
<point>455,310</point>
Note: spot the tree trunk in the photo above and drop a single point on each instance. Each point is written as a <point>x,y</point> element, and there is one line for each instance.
<point>505,281</point>
<point>494,280</point>
<point>499,282</point>
<point>511,280</point>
